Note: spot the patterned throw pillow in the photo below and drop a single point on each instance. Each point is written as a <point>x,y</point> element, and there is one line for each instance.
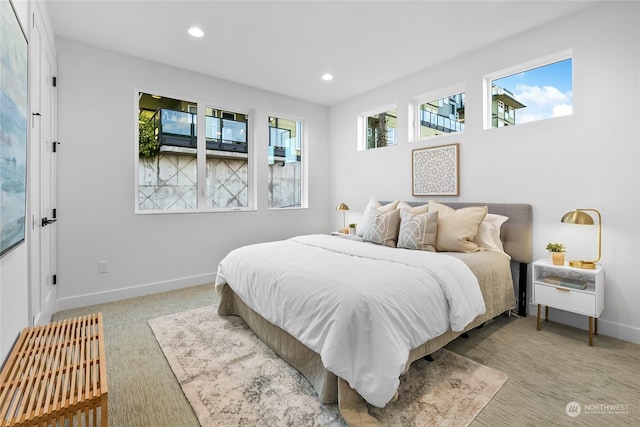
<point>418,231</point>
<point>370,210</point>
<point>382,228</point>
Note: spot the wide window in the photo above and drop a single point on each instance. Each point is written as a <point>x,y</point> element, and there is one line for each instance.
<point>174,160</point>
<point>531,94</point>
<point>380,129</point>
<point>285,163</point>
<point>441,116</point>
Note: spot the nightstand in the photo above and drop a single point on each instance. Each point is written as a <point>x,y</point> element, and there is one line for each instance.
<point>560,286</point>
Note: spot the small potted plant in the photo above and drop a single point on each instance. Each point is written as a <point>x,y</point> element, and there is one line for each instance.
<point>352,228</point>
<point>557,251</point>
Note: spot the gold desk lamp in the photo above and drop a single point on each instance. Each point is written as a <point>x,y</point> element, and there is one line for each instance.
<point>579,216</point>
<point>344,208</point>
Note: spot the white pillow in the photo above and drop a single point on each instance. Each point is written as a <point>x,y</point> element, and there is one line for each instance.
<point>370,210</point>
<point>382,228</point>
<point>418,231</point>
<point>488,235</point>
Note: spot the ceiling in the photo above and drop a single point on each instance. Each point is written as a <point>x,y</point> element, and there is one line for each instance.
<point>286,46</point>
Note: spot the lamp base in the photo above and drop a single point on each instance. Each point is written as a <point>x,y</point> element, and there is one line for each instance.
<point>588,265</point>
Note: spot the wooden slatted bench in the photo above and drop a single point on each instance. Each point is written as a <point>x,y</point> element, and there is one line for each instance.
<point>56,375</point>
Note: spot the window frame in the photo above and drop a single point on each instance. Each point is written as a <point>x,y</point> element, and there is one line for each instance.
<point>201,156</point>
<point>520,68</point>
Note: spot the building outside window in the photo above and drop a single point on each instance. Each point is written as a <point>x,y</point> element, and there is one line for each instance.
<point>441,116</point>
<point>285,163</point>
<point>227,148</point>
<point>381,128</point>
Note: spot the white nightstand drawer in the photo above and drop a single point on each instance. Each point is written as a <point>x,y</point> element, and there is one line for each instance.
<point>565,299</point>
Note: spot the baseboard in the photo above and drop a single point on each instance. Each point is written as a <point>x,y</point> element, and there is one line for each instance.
<point>132,291</point>
<point>605,327</point>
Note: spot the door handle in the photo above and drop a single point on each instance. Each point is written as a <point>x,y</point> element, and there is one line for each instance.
<point>46,221</point>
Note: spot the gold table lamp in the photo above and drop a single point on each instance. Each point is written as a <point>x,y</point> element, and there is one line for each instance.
<point>579,216</point>
<point>344,208</point>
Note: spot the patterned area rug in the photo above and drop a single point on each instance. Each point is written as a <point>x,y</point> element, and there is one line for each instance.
<point>231,378</point>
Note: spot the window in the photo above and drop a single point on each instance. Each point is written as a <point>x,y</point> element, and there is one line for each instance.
<point>380,129</point>
<point>167,162</point>
<point>532,94</point>
<point>227,150</point>
<point>285,163</point>
<point>441,116</point>
<point>174,159</point>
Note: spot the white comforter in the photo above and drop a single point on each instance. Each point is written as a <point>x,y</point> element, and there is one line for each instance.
<point>361,306</point>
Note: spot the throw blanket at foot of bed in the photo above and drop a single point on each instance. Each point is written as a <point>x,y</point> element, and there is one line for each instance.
<point>361,307</point>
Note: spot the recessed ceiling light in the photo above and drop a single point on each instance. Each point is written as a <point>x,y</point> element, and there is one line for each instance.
<point>327,77</point>
<point>196,32</point>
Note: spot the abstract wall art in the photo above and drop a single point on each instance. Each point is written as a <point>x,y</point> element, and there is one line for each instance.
<point>435,171</point>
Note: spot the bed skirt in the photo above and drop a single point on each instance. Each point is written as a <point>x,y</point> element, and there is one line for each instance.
<point>309,363</point>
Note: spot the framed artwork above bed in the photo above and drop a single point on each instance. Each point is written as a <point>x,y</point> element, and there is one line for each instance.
<point>435,170</point>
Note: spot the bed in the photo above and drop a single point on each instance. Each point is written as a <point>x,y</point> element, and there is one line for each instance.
<point>321,311</point>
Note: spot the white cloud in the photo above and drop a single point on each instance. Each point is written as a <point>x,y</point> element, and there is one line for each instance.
<point>547,95</point>
<point>542,102</point>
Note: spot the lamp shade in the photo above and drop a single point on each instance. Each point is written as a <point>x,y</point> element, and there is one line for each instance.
<point>580,217</point>
<point>343,207</point>
<point>577,217</point>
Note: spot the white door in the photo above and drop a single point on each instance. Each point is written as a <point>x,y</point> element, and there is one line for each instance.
<point>43,177</point>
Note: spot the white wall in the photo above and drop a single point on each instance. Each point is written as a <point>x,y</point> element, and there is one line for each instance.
<point>14,297</point>
<point>588,160</point>
<point>97,195</point>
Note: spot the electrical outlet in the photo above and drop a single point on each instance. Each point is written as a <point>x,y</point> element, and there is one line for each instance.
<point>103,266</point>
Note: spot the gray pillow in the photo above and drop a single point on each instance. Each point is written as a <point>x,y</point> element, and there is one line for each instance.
<point>370,210</point>
<point>418,231</point>
<point>382,228</point>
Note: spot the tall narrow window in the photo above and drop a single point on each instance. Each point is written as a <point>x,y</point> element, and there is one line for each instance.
<point>441,116</point>
<point>167,158</point>
<point>227,159</point>
<point>285,163</point>
<point>381,128</point>
<point>532,94</point>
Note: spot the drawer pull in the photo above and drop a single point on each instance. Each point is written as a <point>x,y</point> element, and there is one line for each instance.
<point>563,290</point>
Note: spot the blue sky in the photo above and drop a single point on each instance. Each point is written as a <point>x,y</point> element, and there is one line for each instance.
<point>546,91</point>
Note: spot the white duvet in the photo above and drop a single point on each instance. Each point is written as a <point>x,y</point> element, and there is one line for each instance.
<point>361,306</point>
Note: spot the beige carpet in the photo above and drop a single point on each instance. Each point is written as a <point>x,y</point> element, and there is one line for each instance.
<point>232,379</point>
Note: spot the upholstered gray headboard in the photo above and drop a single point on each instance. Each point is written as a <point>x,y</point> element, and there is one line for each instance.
<point>516,233</point>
